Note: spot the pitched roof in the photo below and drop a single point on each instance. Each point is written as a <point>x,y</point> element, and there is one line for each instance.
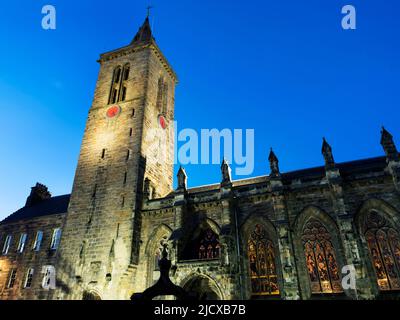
<point>144,34</point>
<point>54,205</point>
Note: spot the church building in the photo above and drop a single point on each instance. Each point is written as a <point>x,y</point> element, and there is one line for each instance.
<point>329,232</point>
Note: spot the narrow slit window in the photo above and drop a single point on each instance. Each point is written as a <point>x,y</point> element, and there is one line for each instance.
<point>103,153</point>
<point>118,75</point>
<point>114,96</point>
<point>133,113</point>
<point>126,72</point>
<point>160,91</point>
<point>123,95</point>
<point>125,177</point>
<point>115,85</point>
<point>128,154</point>
<point>123,85</point>
<point>130,132</point>
<point>122,201</point>
<point>165,99</point>
<point>94,191</point>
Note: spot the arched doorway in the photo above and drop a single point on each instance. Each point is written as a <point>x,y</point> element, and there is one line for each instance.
<point>202,288</point>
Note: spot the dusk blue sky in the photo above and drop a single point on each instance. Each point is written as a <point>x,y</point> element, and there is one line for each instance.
<point>283,68</point>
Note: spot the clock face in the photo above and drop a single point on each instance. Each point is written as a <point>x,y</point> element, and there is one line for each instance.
<point>113,111</point>
<point>162,121</point>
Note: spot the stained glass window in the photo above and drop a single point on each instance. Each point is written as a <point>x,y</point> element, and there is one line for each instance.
<point>320,255</point>
<point>208,246</point>
<point>261,255</point>
<point>384,249</point>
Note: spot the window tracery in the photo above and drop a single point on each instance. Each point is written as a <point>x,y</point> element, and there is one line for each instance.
<point>261,255</point>
<point>384,248</point>
<point>321,261</point>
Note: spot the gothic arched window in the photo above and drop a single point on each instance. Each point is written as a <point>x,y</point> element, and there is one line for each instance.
<point>203,246</point>
<point>321,261</point>
<point>160,93</point>
<point>115,85</point>
<point>384,248</point>
<point>124,84</point>
<point>261,255</point>
<point>119,84</point>
<point>208,246</point>
<point>162,96</point>
<point>165,99</point>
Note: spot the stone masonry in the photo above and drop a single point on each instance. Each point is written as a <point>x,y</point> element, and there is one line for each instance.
<point>123,209</point>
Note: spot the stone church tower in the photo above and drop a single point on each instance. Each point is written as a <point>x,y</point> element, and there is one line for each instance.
<point>126,154</point>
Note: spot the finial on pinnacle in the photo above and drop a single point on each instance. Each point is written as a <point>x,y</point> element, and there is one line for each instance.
<point>328,155</point>
<point>273,164</point>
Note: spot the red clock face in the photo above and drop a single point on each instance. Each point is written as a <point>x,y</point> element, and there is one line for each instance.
<point>162,121</point>
<point>113,111</point>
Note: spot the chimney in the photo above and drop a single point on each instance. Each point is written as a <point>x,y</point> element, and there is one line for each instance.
<point>38,194</point>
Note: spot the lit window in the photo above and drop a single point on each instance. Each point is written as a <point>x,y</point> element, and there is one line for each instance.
<point>384,249</point>
<point>320,256</point>
<point>38,241</point>
<point>261,255</point>
<point>21,243</point>
<point>208,247</point>
<point>7,244</point>
<point>28,278</point>
<point>55,240</point>
<point>11,278</point>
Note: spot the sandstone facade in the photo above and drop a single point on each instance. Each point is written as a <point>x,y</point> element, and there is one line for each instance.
<point>281,236</point>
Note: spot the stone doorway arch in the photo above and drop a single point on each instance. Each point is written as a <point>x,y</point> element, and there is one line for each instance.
<point>90,295</point>
<point>201,287</point>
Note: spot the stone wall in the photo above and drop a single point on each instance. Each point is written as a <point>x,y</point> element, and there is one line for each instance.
<point>28,258</point>
<point>283,211</point>
<point>100,244</point>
